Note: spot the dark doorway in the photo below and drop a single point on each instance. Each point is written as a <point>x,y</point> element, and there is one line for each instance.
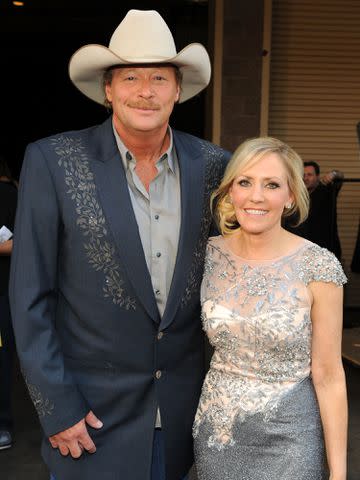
<point>37,41</point>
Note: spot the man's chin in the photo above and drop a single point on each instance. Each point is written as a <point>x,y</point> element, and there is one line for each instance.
<point>146,127</point>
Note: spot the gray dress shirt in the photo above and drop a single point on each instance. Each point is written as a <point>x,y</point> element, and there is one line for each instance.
<point>158,215</point>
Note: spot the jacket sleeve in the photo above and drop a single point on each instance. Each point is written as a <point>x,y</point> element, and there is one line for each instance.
<point>33,298</point>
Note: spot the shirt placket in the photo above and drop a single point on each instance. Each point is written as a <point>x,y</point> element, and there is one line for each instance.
<point>157,255</point>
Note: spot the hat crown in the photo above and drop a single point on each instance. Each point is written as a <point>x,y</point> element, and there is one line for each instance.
<point>141,35</point>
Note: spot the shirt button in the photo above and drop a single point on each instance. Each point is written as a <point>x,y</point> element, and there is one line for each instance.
<point>158,374</point>
<point>158,254</point>
<point>160,335</point>
<point>157,292</point>
<point>156,217</point>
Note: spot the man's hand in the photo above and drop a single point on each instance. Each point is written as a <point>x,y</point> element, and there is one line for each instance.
<point>331,176</point>
<point>76,439</point>
<point>6,247</point>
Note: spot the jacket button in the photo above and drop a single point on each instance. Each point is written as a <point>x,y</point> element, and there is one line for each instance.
<point>158,374</point>
<point>160,335</point>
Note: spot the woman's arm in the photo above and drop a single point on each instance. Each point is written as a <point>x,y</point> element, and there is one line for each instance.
<point>328,373</point>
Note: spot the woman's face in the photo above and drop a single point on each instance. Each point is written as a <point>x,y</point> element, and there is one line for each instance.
<point>259,194</point>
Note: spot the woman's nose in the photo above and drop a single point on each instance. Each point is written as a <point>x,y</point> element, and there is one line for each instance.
<point>257,193</point>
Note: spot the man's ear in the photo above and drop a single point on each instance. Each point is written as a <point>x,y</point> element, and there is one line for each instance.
<point>108,92</point>
<point>178,91</point>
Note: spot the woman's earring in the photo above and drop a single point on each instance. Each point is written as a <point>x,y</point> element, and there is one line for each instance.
<point>288,205</point>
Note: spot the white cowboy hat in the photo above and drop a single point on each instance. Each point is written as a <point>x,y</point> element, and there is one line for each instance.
<point>142,37</point>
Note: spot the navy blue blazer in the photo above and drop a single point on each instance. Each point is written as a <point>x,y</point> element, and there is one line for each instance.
<point>84,311</point>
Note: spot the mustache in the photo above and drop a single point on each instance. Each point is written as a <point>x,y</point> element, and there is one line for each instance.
<point>144,105</point>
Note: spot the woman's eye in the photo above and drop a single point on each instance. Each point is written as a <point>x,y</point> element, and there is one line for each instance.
<point>244,183</point>
<point>273,185</point>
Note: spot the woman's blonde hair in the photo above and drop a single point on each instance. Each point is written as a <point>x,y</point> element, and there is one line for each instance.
<point>249,153</point>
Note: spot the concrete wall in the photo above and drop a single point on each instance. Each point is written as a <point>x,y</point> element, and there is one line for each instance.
<point>237,49</point>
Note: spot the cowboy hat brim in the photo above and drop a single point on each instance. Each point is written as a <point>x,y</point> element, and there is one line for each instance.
<point>87,65</point>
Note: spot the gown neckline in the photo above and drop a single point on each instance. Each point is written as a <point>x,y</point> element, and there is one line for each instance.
<point>294,251</point>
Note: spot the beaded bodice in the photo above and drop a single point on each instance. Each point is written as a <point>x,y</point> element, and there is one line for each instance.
<point>257,317</point>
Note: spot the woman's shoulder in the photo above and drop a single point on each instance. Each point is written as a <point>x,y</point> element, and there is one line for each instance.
<point>216,243</point>
<point>215,248</point>
<point>215,240</point>
<point>318,264</point>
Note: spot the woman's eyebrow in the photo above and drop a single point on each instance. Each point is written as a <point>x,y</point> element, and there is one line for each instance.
<point>248,177</point>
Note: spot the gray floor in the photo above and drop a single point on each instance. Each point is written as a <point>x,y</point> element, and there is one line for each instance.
<point>23,462</point>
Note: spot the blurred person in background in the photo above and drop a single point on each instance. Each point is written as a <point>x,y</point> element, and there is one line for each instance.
<point>320,226</point>
<point>8,201</point>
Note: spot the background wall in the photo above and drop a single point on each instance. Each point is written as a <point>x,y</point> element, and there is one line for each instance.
<point>315,95</point>
<point>241,61</point>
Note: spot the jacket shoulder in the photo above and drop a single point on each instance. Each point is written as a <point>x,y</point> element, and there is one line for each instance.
<point>95,141</point>
<point>70,134</point>
<point>205,145</point>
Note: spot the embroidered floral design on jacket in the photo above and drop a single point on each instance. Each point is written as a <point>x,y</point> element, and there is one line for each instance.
<point>213,173</point>
<point>43,406</point>
<point>90,217</point>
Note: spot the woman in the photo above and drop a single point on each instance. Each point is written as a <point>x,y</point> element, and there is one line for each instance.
<point>275,396</point>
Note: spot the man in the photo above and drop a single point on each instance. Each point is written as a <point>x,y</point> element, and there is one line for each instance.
<point>321,225</point>
<point>8,201</point>
<point>109,248</point>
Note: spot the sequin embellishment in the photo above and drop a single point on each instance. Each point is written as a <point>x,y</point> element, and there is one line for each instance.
<point>257,318</point>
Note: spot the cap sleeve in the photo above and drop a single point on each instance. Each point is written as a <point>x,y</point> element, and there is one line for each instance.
<point>320,265</point>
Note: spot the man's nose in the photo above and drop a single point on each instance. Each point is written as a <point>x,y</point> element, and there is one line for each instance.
<point>145,89</point>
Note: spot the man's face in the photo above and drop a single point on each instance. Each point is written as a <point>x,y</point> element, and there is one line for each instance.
<point>311,180</point>
<point>142,97</point>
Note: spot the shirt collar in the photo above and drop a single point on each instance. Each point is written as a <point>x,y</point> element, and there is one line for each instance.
<point>127,156</point>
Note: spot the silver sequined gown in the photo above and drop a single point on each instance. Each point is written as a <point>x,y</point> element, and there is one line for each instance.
<point>258,417</point>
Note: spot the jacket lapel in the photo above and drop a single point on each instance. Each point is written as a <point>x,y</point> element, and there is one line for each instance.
<point>192,172</point>
<point>112,187</point>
